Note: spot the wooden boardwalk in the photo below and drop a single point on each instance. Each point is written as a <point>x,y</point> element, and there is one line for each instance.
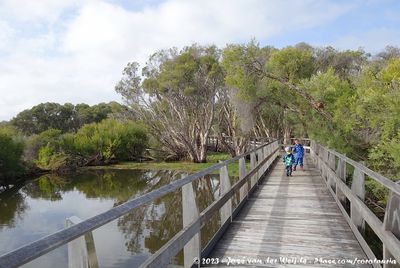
<point>283,220</point>
<point>290,217</point>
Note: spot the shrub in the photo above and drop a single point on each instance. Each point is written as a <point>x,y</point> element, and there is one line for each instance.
<point>11,151</point>
<point>106,141</point>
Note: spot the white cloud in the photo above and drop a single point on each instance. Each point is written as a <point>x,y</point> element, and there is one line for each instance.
<point>78,56</point>
<point>7,34</point>
<point>39,11</point>
<point>372,41</point>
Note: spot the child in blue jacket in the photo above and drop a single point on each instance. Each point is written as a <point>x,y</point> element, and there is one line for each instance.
<point>298,152</point>
<point>288,160</point>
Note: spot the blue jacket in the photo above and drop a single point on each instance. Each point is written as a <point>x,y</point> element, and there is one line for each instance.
<point>298,150</point>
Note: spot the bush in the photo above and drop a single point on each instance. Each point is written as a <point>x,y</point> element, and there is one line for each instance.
<point>11,151</point>
<point>49,138</point>
<point>107,141</point>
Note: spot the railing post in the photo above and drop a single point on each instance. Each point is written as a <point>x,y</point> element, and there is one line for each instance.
<point>253,164</point>
<point>226,210</point>
<point>265,153</point>
<point>391,223</point>
<point>190,213</point>
<point>341,173</point>
<point>325,161</point>
<point>269,151</point>
<point>312,150</point>
<point>331,161</point>
<point>260,158</point>
<point>81,251</point>
<point>318,154</point>
<point>242,174</point>
<point>358,188</point>
<point>332,165</point>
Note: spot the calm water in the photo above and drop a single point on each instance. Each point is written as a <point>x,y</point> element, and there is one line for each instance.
<point>40,207</point>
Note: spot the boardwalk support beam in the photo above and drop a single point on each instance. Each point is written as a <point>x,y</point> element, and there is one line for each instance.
<point>190,213</point>
<point>253,164</point>
<point>358,188</point>
<point>242,174</point>
<point>391,223</point>
<point>341,173</point>
<point>226,210</point>
<point>81,251</point>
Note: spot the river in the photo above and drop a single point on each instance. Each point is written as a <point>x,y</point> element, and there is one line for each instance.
<point>39,207</point>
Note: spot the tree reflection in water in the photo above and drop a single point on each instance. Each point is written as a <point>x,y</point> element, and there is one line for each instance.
<point>152,225</point>
<point>145,229</point>
<point>12,206</point>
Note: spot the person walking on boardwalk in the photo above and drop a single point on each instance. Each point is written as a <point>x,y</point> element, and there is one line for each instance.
<point>288,160</point>
<point>298,152</point>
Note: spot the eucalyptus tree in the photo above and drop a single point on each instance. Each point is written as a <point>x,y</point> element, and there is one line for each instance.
<point>239,105</point>
<point>176,97</point>
<point>270,80</point>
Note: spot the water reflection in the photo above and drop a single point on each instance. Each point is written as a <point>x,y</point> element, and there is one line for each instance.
<point>12,206</point>
<point>40,207</point>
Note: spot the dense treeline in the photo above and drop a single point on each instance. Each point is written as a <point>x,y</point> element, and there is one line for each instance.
<point>348,100</point>
<point>65,117</point>
<point>55,137</point>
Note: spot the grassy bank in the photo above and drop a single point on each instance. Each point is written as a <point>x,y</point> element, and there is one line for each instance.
<point>184,166</point>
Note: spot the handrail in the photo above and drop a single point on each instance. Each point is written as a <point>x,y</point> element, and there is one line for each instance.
<point>174,245</point>
<point>334,173</point>
<point>391,185</point>
<point>40,247</point>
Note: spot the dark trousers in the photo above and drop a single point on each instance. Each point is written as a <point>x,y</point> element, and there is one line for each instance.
<point>288,170</point>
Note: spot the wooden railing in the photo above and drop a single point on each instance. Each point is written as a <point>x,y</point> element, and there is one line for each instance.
<point>333,168</point>
<point>217,143</point>
<point>188,238</point>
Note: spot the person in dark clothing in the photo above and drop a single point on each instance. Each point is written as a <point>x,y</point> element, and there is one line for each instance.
<point>288,160</point>
<point>298,151</point>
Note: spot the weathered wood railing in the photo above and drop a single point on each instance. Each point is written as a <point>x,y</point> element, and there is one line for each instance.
<point>216,143</point>
<point>189,238</point>
<point>333,168</point>
<point>81,251</point>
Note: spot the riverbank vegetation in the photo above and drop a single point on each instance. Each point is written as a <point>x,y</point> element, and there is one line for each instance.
<point>11,150</point>
<point>183,166</point>
<point>32,144</point>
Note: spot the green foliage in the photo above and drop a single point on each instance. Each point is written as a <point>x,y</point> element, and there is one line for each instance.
<point>49,138</point>
<point>344,63</point>
<point>292,63</point>
<point>180,73</point>
<point>45,154</point>
<point>213,158</point>
<point>108,140</point>
<point>11,151</point>
<point>361,94</point>
<point>365,109</point>
<point>238,63</point>
<point>65,117</point>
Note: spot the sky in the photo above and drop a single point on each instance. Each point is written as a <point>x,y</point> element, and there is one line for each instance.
<point>75,50</point>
